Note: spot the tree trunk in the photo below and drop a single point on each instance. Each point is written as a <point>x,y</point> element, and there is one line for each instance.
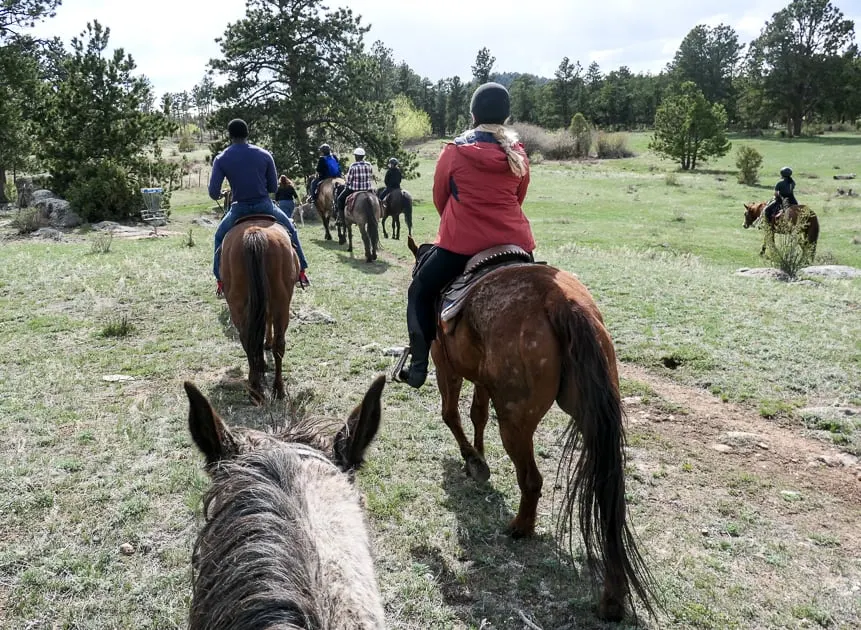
<point>796,125</point>
<point>3,197</point>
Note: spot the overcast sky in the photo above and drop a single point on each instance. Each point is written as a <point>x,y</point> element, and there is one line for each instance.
<point>172,40</point>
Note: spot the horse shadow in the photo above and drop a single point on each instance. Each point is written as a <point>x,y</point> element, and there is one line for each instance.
<point>356,260</point>
<point>499,579</point>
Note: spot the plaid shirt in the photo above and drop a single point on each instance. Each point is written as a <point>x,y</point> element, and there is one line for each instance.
<point>359,176</point>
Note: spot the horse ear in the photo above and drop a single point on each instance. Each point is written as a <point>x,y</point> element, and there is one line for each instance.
<point>411,243</point>
<point>352,441</point>
<point>208,430</point>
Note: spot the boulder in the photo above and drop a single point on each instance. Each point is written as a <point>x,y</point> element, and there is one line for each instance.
<point>832,271</point>
<point>762,272</point>
<point>51,233</point>
<point>58,211</point>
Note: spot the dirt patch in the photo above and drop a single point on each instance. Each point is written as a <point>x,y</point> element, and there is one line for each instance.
<point>743,438</point>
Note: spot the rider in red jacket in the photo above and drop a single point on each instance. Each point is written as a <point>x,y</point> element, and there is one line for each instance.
<point>479,185</point>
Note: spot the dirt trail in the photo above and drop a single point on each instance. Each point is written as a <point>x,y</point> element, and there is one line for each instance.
<point>740,438</point>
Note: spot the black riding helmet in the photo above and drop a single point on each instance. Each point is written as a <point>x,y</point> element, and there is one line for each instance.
<point>490,104</point>
<point>325,149</point>
<point>786,172</point>
<point>393,162</point>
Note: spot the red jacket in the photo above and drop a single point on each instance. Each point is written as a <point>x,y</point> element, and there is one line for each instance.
<point>479,198</point>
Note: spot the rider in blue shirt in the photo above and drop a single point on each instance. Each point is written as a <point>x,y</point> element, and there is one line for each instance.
<point>251,173</point>
<point>327,167</point>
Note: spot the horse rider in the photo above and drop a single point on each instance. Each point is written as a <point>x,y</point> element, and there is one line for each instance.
<point>360,176</point>
<point>479,186</point>
<point>393,178</point>
<point>784,193</point>
<point>327,168</point>
<point>250,170</point>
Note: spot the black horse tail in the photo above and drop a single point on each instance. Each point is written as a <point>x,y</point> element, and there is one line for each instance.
<point>254,331</point>
<point>407,203</point>
<point>371,223</point>
<point>594,482</point>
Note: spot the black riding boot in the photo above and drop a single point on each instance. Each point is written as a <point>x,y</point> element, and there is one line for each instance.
<point>417,373</point>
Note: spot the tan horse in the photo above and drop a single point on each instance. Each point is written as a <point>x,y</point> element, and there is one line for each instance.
<point>784,222</point>
<point>326,202</point>
<point>260,268</point>
<point>285,543</point>
<point>362,209</point>
<point>527,336</point>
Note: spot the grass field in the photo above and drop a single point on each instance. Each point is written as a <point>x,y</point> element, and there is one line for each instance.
<point>761,533</point>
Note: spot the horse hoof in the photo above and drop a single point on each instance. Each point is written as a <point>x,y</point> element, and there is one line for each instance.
<point>518,530</point>
<point>328,237</point>
<point>476,468</point>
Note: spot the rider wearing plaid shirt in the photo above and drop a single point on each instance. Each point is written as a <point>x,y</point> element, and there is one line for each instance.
<point>360,176</point>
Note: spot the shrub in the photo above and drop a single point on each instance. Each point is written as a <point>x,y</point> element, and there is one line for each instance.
<point>188,241</point>
<point>101,243</point>
<point>560,146</point>
<point>186,144</point>
<point>748,161</point>
<point>104,191</point>
<point>788,249</point>
<point>611,146</point>
<point>581,131</point>
<point>28,220</point>
<point>535,139</point>
<point>671,179</point>
<point>118,327</point>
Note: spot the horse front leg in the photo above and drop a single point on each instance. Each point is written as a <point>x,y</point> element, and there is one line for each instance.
<point>278,354</point>
<point>396,227</point>
<point>450,385</point>
<point>386,234</point>
<point>349,231</point>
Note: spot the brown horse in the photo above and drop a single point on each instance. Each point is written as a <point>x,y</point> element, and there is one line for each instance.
<point>285,543</point>
<point>363,210</point>
<point>529,335</point>
<point>785,221</point>
<point>325,202</point>
<point>397,202</point>
<point>260,268</point>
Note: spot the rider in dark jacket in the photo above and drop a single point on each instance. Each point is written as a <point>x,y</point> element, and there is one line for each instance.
<point>784,192</point>
<point>392,179</point>
<point>327,167</point>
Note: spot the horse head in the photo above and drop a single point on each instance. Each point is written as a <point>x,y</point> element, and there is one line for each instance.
<point>752,212</point>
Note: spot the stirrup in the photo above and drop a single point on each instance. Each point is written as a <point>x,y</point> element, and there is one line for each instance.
<point>402,361</point>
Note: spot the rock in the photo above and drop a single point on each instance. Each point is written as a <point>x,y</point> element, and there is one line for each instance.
<point>126,549</point>
<point>117,378</point>
<point>829,413</point>
<point>720,448</point>
<point>106,226</point>
<point>762,272</point>
<point>836,461</point>
<point>205,222</point>
<point>50,233</point>
<point>314,316</point>
<point>832,271</point>
<point>790,495</point>
<point>846,176</point>
<point>739,438</point>
<point>58,211</point>
<point>306,213</point>
<point>394,351</point>
<point>632,400</point>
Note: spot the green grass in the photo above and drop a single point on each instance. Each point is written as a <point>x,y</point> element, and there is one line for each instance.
<point>92,464</point>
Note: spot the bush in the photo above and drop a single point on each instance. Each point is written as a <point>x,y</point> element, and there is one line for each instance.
<point>612,146</point>
<point>104,191</point>
<point>535,139</point>
<point>788,249</point>
<point>186,144</point>
<point>560,146</point>
<point>101,244</point>
<point>28,220</point>
<point>671,179</point>
<point>748,161</point>
<point>581,131</point>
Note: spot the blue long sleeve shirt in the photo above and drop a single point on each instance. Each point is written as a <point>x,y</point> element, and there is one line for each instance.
<point>249,169</point>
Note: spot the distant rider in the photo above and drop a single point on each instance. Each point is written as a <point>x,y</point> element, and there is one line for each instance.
<point>327,168</point>
<point>392,179</point>
<point>784,192</point>
<point>360,176</point>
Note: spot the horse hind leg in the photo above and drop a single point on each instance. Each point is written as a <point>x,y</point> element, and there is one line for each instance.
<point>278,355</point>
<point>479,413</point>
<point>386,234</point>
<point>366,240</point>
<point>517,433</point>
<point>450,385</point>
<point>396,227</point>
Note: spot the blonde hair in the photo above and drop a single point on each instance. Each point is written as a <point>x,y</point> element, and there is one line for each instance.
<point>507,138</point>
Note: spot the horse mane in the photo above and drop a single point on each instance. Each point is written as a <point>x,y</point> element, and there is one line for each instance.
<point>255,563</point>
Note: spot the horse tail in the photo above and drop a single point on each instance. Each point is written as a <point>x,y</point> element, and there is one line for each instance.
<point>254,246</point>
<point>371,224</point>
<point>595,482</point>
<point>407,205</point>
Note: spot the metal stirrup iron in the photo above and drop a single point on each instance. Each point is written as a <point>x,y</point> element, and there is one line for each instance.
<point>402,361</point>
